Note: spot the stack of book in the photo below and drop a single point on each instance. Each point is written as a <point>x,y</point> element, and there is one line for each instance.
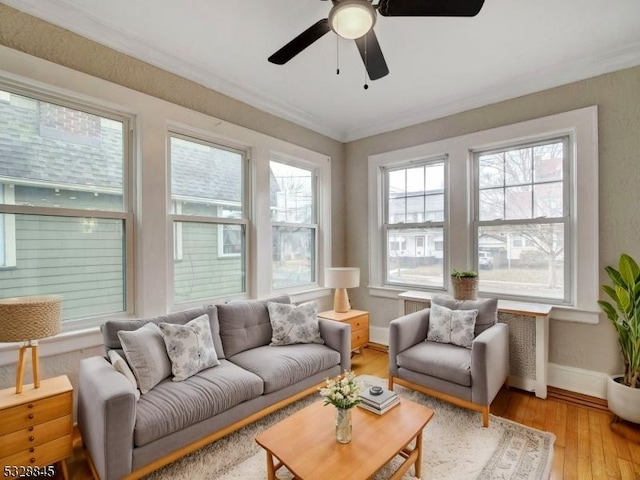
<point>379,403</point>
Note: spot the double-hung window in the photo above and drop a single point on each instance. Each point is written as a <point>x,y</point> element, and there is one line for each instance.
<point>522,220</point>
<point>65,217</point>
<point>294,227</point>
<point>414,225</point>
<point>209,216</point>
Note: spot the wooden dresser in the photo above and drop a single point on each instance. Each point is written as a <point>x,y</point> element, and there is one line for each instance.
<point>359,321</point>
<point>36,429</point>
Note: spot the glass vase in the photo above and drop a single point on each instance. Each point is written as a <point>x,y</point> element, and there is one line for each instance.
<point>343,425</point>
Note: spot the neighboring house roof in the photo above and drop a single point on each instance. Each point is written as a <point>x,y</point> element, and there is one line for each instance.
<point>31,152</point>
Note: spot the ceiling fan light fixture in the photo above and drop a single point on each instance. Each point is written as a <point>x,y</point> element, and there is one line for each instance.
<point>352,19</point>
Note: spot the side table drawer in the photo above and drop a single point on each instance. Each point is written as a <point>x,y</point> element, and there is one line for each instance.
<point>41,455</point>
<point>358,323</point>
<point>35,435</point>
<point>359,338</point>
<point>33,413</point>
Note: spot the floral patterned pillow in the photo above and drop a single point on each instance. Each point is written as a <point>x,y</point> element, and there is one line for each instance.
<point>451,326</point>
<point>292,324</point>
<point>190,347</point>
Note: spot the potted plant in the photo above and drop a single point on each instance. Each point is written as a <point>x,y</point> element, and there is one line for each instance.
<point>623,391</point>
<point>465,284</point>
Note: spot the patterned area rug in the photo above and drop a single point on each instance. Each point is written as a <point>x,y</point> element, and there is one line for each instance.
<point>455,446</point>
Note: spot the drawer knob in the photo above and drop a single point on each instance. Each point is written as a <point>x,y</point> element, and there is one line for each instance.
<point>32,460</point>
<point>31,416</point>
<point>32,438</point>
<point>30,405</point>
<point>31,450</point>
<point>31,428</point>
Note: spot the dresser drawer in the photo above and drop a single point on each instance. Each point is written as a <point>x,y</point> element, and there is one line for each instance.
<point>35,435</point>
<point>358,323</point>
<point>35,412</point>
<point>40,455</point>
<point>359,338</point>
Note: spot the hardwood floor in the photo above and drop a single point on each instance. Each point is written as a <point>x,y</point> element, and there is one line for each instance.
<point>586,448</point>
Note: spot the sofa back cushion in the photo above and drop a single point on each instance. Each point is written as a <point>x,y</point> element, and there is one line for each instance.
<point>111,328</point>
<point>246,325</point>
<point>487,310</point>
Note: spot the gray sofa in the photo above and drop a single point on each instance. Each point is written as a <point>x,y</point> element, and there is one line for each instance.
<point>128,438</point>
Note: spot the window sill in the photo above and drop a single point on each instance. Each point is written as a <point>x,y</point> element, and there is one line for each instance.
<point>568,314</point>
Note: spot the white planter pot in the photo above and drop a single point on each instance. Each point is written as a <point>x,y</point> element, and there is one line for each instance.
<point>623,401</point>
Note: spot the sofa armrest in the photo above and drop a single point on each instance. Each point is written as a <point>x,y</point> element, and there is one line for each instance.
<point>405,332</point>
<point>489,363</point>
<point>106,417</point>
<point>337,336</point>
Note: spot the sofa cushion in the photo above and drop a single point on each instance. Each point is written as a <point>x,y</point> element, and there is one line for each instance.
<point>280,367</point>
<point>173,406</point>
<point>292,324</point>
<point>245,325</point>
<point>190,347</point>
<point>487,310</point>
<point>111,328</point>
<point>451,326</point>
<point>440,360</point>
<point>146,355</point>
<point>121,365</point>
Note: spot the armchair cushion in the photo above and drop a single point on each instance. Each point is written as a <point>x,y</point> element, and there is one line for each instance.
<point>451,326</point>
<point>440,360</point>
<point>487,310</point>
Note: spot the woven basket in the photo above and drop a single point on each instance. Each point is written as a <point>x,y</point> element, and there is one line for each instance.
<point>465,288</point>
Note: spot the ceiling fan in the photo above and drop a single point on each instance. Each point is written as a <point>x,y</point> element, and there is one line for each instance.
<point>354,19</point>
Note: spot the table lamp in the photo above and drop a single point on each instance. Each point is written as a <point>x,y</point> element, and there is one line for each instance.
<point>341,278</point>
<point>28,319</point>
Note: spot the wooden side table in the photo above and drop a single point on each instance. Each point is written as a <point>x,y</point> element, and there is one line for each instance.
<point>359,321</point>
<point>36,430</point>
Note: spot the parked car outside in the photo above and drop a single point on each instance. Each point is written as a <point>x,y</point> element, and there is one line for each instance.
<point>485,260</point>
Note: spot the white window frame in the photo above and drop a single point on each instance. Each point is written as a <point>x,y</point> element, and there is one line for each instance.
<point>582,125</point>
<point>302,164</point>
<point>125,215</point>
<point>7,229</point>
<point>387,225</point>
<point>176,219</point>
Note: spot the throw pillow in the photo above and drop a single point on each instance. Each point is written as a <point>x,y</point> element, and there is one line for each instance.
<point>451,326</point>
<point>487,310</point>
<point>190,347</point>
<point>121,365</point>
<point>147,356</point>
<point>292,324</point>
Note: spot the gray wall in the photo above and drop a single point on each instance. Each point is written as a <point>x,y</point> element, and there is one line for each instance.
<point>617,95</point>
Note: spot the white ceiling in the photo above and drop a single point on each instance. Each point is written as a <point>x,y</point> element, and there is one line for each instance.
<point>438,66</point>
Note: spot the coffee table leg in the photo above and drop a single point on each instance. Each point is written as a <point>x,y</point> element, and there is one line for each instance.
<point>418,465</point>
<point>271,471</point>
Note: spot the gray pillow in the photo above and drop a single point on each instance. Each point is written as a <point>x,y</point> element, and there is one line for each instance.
<point>451,326</point>
<point>291,324</point>
<point>146,355</point>
<point>487,310</point>
<point>190,347</point>
<point>121,365</point>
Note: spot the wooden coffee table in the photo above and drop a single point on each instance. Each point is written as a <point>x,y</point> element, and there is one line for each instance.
<point>306,442</point>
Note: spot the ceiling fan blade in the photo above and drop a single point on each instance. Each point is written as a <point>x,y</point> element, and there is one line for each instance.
<point>429,8</point>
<point>302,41</point>
<point>372,56</point>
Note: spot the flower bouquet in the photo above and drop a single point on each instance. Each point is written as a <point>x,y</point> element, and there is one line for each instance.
<point>343,392</point>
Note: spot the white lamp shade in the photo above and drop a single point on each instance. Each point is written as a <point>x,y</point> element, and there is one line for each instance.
<point>342,277</point>
<point>29,318</point>
<point>352,18</point>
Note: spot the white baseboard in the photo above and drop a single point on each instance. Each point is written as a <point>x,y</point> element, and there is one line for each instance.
<point>586,382</point>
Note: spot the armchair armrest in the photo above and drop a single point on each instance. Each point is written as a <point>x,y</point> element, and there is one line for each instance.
<point>405,332</point>
<point>489,363</point>
<point>106,417</point>
<point>337,335</point>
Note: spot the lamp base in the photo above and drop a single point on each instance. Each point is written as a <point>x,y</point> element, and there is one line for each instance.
<point>33,345</point>
<point>341,301</point>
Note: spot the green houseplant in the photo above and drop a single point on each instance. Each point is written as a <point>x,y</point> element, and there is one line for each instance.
<point>623,391</point>
<point>465,284</point>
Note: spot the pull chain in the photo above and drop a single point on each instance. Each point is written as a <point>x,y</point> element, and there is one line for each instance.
<point>366,62</point>
<point>337,55</point>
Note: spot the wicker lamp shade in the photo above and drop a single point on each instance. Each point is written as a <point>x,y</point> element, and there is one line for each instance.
<point>28,319</point>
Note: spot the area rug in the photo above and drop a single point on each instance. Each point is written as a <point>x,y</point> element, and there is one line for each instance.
<point>455,446</point>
